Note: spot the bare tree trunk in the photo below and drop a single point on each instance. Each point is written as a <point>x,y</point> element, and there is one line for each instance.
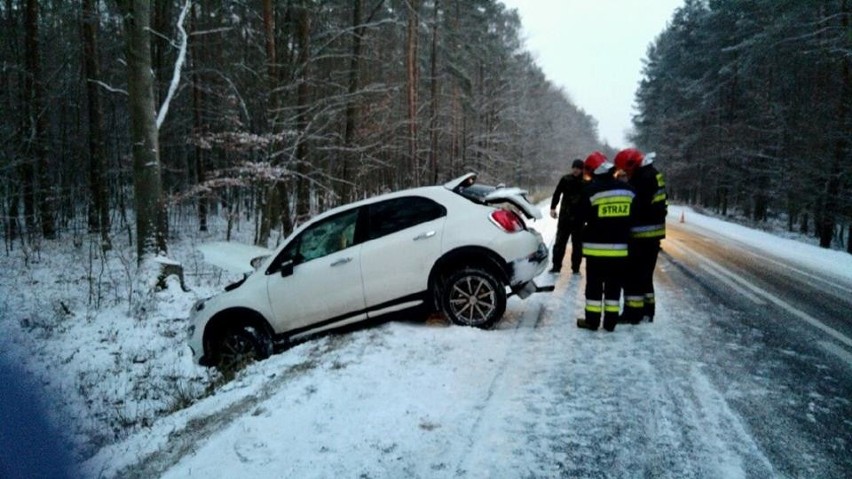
<point>271,60</point>
<point>98,195</point>
<point>267,204</point>
<point>456,111</point>
<point>302,92</point>
<point>354,85</point>
<point>12,103</point>
<point>849,239</point>
<point>828,218</point>
<point>412,73</point>
<point>433,115</point>
<point>160,44</point>
<point>150,207</point>
<point>199,129</point>
<point>37,122</point>
<point>27,172</point>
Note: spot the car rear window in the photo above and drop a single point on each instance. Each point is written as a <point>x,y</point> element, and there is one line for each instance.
<point>390,216</point>
<point>476,192</point>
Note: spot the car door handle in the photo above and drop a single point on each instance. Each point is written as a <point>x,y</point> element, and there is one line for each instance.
<point>425,235</point>
<point>341,261</point>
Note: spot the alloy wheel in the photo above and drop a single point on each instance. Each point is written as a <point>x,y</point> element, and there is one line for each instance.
<point>473,300</point>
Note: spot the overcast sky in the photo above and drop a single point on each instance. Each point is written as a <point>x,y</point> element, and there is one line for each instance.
<point>594,50</point>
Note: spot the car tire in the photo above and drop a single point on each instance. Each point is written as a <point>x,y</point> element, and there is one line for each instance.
<point>238,346</point>
<point>473,297</point>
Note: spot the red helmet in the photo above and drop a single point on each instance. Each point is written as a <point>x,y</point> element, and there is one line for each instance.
<point>629,159</point>
<point>594,161</point>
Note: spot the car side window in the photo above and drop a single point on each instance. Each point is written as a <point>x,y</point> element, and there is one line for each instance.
<point>394,215</point>
<point>324,238</point>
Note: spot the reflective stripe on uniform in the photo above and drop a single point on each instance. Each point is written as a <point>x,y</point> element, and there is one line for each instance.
<point>611,306</point>
<point>609,250</point>
<point>612,196</point>
<point>660,181</point>
<point>612,199</point>
<point>593,306</point>
<point>634,301</point>
<point>649,231</point>
<point>649,298</point>
<point>660,196</point>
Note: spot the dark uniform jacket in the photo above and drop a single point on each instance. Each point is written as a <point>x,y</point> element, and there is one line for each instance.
<point>606,209</point>
<point>570,189</point>
<point>650,204</point>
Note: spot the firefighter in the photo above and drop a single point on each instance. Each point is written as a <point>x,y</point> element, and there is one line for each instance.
<point>649,227</point>
<point>606,210</point>
<point>570,191</point>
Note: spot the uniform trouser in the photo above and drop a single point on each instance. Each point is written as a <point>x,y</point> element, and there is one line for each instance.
<point>639,297</point>
<point>603,280</point>
<point>564,230</point>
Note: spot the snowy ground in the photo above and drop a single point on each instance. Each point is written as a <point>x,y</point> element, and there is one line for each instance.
<point>112,360</point>
<point>793,246</point>
<point>398,400</point>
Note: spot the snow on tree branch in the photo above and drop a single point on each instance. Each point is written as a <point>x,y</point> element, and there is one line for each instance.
<point>164,109</point>
<point>239,140</point>
<point>109,88</point>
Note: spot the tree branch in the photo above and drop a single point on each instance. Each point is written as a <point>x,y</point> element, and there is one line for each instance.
<point>164,109</point>
<point>109,88</point>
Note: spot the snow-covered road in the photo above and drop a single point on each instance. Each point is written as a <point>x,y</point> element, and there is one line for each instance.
<point>691,395</point>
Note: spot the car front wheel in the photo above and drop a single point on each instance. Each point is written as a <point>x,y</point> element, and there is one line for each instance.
<point>241,345</point>
<point>473,297</point>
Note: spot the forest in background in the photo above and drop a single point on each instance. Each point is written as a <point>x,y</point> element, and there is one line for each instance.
<point>282,109</point>
<point>747,102</point>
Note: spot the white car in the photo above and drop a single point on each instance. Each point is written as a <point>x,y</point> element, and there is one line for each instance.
<point>453,248</point>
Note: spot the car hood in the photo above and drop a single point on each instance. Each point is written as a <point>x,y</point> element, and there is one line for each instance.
<point>233,257</point>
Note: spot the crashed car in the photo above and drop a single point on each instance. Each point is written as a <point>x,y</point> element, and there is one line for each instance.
<point>460,249</point>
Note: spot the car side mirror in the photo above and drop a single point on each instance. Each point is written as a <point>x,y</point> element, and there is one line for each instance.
<point>286,268</point>
<point>258,261</point>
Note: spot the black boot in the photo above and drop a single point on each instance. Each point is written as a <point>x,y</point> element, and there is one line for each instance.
<point>582,323</point>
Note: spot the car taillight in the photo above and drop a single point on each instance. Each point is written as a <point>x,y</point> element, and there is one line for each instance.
<point>507,221</point>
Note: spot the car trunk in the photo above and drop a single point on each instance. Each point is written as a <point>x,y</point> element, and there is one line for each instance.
<point>467,187</point>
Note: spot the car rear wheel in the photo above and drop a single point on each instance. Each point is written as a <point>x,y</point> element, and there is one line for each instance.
<point>473,297</point>
<point>238,346</point>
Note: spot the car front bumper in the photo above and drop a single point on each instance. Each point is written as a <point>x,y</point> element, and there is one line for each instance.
<point>195,332</point>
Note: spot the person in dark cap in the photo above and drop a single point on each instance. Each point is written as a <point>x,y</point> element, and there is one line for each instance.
<point>569,191</point>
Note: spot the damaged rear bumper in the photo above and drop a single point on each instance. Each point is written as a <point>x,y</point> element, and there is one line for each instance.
<point>524,270</point>
<point>525,290</point>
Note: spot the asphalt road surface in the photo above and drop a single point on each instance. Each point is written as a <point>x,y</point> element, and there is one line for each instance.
<point>780,342</point>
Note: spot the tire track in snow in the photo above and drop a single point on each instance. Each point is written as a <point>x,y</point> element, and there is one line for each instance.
<point>501,428</point>
<point>531,317</point>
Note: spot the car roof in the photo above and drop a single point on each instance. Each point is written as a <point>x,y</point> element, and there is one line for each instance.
<point>433,192</point>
